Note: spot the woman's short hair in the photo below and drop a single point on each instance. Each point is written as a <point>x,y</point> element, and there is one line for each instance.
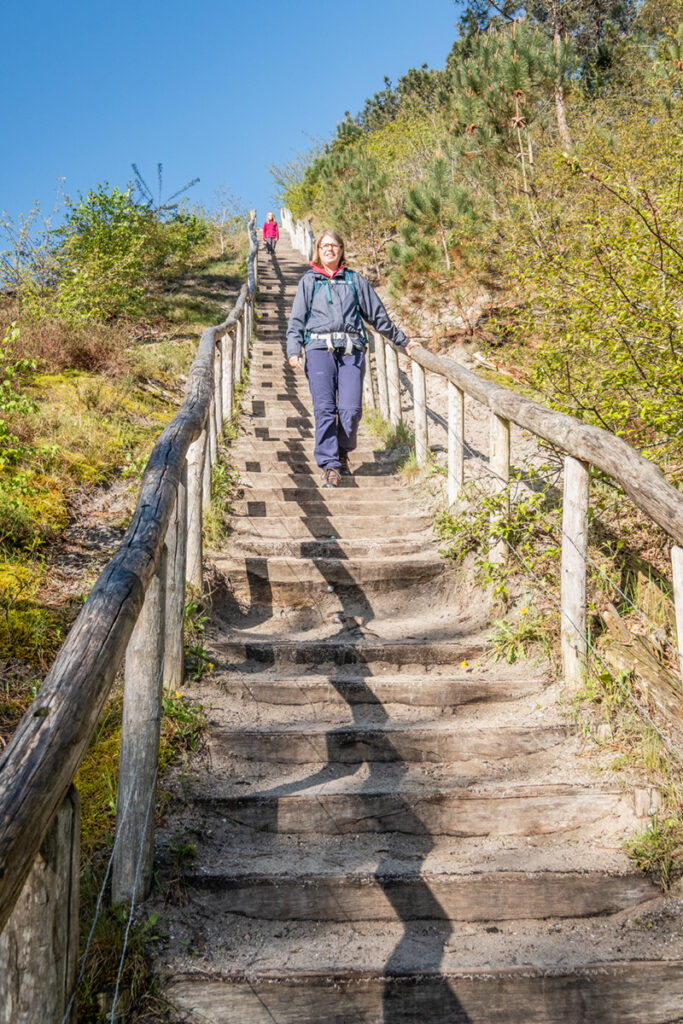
<point>337,238</point>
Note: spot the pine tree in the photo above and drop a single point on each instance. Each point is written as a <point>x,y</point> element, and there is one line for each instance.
<point>433,212</point>
<point>357,187</point>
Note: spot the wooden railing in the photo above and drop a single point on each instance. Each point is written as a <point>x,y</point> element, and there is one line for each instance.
<point>584,446</point>
<point>135,611</point>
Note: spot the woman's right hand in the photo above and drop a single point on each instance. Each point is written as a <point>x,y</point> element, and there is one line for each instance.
<point>296,362</point>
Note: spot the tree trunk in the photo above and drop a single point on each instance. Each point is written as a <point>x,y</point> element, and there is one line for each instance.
<point>560,108</point>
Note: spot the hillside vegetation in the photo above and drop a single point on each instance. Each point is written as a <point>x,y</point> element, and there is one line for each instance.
<point>99,320</point>
<point>533,186</point>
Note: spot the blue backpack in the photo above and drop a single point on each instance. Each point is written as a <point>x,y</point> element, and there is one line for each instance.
<point>350,278</point>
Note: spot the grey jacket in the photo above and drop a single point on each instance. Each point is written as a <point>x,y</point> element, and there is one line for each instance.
<point>334,309</point>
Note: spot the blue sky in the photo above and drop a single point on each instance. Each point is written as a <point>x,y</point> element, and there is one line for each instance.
<point>217,91</point>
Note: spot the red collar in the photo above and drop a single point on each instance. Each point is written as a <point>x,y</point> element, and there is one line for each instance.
<point>321,270</point>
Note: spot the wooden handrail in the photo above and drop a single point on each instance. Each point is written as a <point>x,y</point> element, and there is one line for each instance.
<point>39,764</point>
<point>644,482</point>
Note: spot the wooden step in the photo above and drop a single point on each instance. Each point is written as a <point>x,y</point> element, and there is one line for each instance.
<point>530,810</point>
<point>409,655</point>
<point>646,992</point>
<point>382,486</point>
<point>252,446</point>
<point>291,581</point>
<point>270,547</point>
<point>415,691</point>
<point>488,896</point>
<point>262,503</point>
<point>294,464</point>
<point>436,743</point>
<point>320,527</point>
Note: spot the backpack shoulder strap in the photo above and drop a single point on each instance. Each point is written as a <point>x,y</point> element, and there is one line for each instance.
<point>350,278</point>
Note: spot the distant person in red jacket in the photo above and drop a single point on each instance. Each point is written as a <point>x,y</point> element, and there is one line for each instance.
<point>271,232</point>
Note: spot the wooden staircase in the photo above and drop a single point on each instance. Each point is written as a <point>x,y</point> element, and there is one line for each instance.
<point>385,826</point>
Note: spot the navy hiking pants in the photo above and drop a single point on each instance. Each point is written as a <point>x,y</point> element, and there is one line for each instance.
<point>336,383</point>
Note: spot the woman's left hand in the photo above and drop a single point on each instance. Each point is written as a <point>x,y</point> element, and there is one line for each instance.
<point>413,344</point>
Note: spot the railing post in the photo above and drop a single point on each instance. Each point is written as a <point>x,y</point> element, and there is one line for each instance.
<point>238,352</point>
<point>420,414</point>
<point>228,381</point>
<point>573,587</point>
<point>176,568</point>
<point>393,385</point>
<point>456,441</point>
<point>133,860</point>
<point>500,467</point>
<point>209,458</point>
<point>368,393</point>
<point>218,387</point>
<point>39,943</point>
<point>381,364</point>
<point>677,570</point>
<point>246,331</point>
<point>195,475</point>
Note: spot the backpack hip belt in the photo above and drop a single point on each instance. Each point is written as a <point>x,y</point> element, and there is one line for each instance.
<point>339,339</point>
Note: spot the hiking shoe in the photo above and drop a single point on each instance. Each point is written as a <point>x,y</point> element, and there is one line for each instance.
<point>344,469</point>
<point>331,478</point>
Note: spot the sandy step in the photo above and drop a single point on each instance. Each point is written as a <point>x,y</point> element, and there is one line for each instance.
<point>296,463</point>
<point>250,445</point>
<point>291,581</point>
<point>361,494</point>
<point>230,850</point>
<point>320,527</point>
<point>380,486</point>
<point>290,419</point>
<point>329,547</point>
<point>262,503</point>
<point>597,993</point>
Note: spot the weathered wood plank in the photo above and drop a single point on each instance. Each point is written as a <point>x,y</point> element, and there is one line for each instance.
<point>404,690</point>
<point>456,441</point>
<point>368,392</point>
<point>677,570</point>
<point>411,745</point>
<point>39,944</point>
<point>393,383</point>
<point>499,463</point>
<point>573,571</point>
<point>489,896</point>
<point>176,568</point>
<point>140,732</point>
<point>598,993</point>
<point>381,365</point>
<point>210,456</point>
<point>420,413</point>
<point>195,518</point>
<point>228,380</point>
<point>543,810</point>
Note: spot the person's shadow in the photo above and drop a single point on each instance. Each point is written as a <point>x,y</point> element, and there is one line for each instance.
<point>383,808</point>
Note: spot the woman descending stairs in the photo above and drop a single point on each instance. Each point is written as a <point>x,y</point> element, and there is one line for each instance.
<point>385,826</point>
